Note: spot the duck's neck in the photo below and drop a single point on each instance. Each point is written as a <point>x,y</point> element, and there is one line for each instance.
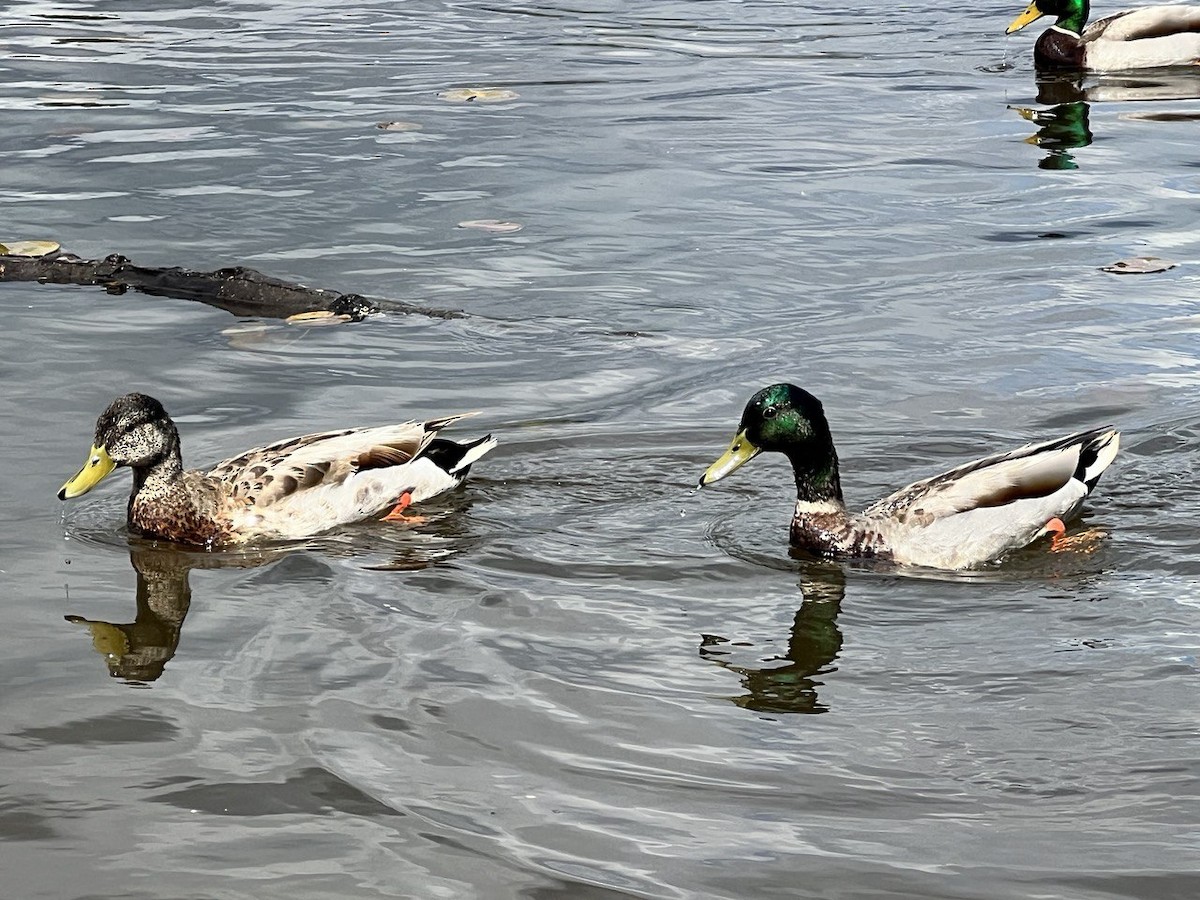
<point>159,479</point>
<point>1075,18</point>
<point>818,481</point>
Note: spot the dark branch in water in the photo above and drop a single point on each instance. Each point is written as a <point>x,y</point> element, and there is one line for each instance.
<point>239,290</point>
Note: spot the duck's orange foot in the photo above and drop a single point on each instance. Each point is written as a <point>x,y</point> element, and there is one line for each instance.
<point>1057,531</point>
<point>397,514</point>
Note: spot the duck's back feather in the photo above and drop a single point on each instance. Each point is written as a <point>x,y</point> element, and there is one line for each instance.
<point>1144,38</point>
<point>1144,23</point>
<point>1033,471</point>
<point>271,474</point>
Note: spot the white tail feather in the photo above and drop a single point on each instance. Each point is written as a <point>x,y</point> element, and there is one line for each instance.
<point>485,446</point>
<point>1106,452</point>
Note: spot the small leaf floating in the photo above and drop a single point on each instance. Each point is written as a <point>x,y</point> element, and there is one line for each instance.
<point>1139,265</point>
<point>398,126</point>
<point>29,248</point>
<point>478,95</point>
<point>317,317</point>
<point>493,225</point>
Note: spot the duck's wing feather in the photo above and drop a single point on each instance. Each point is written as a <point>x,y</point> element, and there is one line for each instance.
<point>1144,23</point>
<point>1036,470</point>
<point>270,474</point>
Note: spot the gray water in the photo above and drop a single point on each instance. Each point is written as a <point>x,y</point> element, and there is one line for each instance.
<point>580,679</point>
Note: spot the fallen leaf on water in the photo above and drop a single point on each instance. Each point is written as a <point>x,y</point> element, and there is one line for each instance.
<point>493,225</point>
<point>1139,265</point>
<point>317,317</point>
<point>398,126</point>
<point>250,335</point>
<point>30,248</point>
<point>478,95</point>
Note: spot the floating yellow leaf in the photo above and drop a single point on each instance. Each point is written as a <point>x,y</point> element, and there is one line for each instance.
<point>478,95</point>
<point>1139,265</point>
<point>317,317</point>
<point>30,248</point>
<point>493,225</point>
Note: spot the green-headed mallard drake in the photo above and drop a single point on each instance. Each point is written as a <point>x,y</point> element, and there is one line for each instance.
<point>1144,38</point>
<point>959,519</point>
<point>291,489</point>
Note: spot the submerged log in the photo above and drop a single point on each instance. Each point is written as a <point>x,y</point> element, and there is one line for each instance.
<point>238,290</point>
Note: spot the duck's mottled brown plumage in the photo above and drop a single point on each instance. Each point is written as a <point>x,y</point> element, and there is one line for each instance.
<point>836,534</point>
<point>193,509</point>
<point>293,488</point>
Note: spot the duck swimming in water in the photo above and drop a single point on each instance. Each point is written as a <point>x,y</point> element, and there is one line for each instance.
<point>1143,38</point>
<point>960,519</point>
<point>290,489</point>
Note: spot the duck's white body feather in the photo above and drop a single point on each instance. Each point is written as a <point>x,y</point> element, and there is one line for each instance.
<point>309,484</point>
<point>1144,38</point>
<point>974,513</point>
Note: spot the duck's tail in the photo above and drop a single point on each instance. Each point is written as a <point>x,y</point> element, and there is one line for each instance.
<point>1095,455</point>
<point>473,450</point>
<point>455,457</point>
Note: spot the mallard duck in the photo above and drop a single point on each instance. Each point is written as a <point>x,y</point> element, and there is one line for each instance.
<point>1144,38</point>
<point>291,489</point>
<point>962,518</point>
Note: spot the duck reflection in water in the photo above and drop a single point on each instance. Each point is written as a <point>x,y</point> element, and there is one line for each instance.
<point>1066,125</point>
<point>138,651</point>
<point>1060,129</point>
<point>790,684</point>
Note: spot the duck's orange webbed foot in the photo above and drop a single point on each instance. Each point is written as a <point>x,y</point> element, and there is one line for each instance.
<point>397,514</point>
<point>1057,531</point>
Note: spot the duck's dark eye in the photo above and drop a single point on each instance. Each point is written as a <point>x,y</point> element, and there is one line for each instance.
<point>770,412</point>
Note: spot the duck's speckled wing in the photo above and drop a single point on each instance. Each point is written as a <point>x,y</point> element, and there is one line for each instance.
<point>1033,471</point>
<point>269,475</point>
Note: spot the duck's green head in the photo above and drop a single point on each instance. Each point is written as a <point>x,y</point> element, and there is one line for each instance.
<point>784,419</point>
<point>1070,15</point>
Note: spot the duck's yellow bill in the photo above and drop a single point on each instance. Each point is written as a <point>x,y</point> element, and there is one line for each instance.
<point>740,452</point>
<point>109,640</point>
<point>1031,14</point>
<point>99,464</point>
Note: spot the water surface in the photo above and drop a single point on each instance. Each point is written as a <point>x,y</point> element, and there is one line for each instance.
<point>580,679</point>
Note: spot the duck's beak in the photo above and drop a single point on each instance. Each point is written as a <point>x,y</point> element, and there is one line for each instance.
<point>740,452</point>
<point>108,639</point>
<point>1031,14</point>
<point>99,464</point>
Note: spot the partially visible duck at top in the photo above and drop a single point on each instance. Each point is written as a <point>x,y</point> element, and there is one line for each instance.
<point>1145,38</point>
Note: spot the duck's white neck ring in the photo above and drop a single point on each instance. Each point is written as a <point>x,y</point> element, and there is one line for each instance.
<point>817,507</point>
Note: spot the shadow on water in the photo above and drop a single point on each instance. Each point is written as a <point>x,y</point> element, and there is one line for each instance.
<point>790,684</point>
<point>1066,125</point>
